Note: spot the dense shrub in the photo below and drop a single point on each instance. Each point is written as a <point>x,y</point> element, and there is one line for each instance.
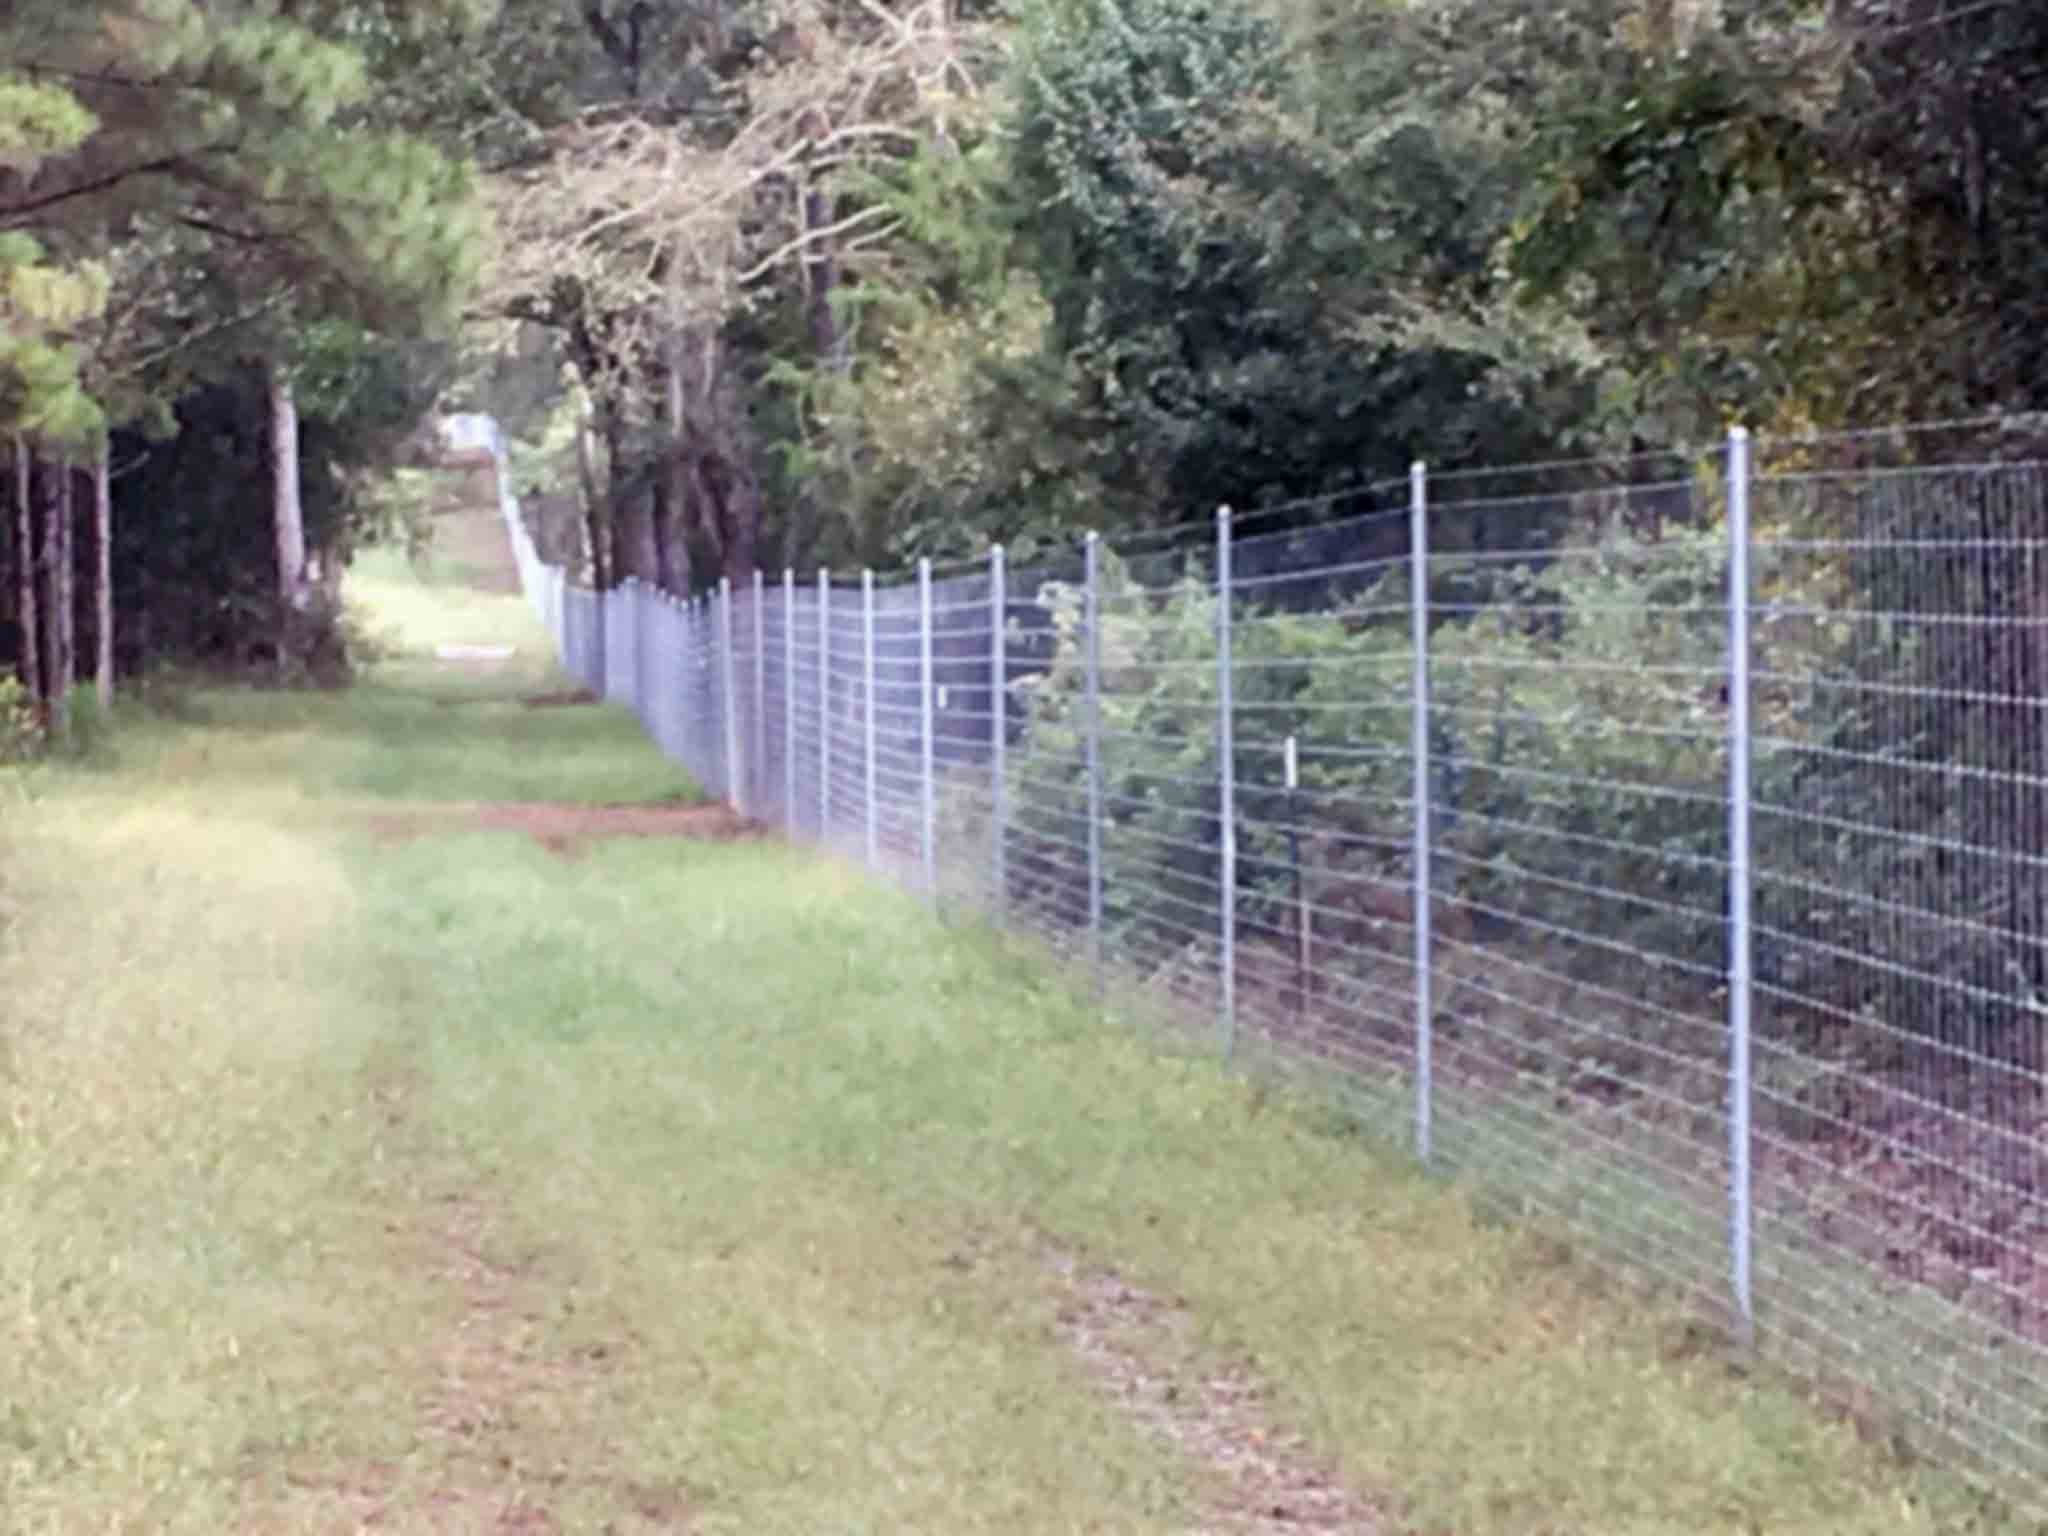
<point>1586,704</point>
<point>1161,838</point>
<point>1578,755</point>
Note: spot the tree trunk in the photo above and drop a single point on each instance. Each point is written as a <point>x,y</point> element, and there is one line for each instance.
<point>743,523</point>
<point>593,508</point>
<point>828,343</point>
<point>821,267</point>
<point>672,513</point>
<point>103,580</point>
<point>66,658</point>
<point>287,513</point>
<point>59,618</point>
<point>723,486</point>
<point>30,662</point>
<point>630,516</point>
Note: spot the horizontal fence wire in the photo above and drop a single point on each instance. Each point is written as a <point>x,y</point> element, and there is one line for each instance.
<point>1660,844</point>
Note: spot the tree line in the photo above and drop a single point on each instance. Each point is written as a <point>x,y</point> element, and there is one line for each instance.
<point>823,281</point>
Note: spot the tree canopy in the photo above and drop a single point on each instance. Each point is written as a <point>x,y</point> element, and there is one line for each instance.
<point>788,281</point>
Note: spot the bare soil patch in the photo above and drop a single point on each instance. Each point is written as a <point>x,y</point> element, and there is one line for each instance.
<point>502,1398</point>
<point>565,829</point>
<point>495,1433</point>
<point>560,698</point>
<point>1260,1477</point>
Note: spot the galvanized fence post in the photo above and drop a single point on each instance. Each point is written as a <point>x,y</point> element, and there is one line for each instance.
<point>757,786</point>
<point>1418,621</point>
<point>651,661</point>
<point>824,706</point>
<point>998,691</point>
<point>629,592</point>
<point>928,780</point>
<point>789,698</point>
<point>735,770</point>
<point>693,685</point>
<point>713,686</point>
<point>1226,793</point>
<point>1741,935</point>
<point>1091,618</point>
<point>873,808</point>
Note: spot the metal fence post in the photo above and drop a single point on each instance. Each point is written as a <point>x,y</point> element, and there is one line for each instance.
<point>1418,620</point>
<point>824,706</point>
<point>693,685</point>
<point>789,698</point>
<point>998,691</point>
<point>1226,792</point>
<point>1091,618</point>
<point>629,596</point>
<point>873,808</point>
<point>928,687</point>
<point>1740,936</point>
<point>757,759</point>
<point>735,770</point>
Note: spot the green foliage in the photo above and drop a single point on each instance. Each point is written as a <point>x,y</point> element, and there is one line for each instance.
<point>21,738</point>
<point>1312,676</point>
<point>193,561</point>
<point>1579,760</point>
<point>1122,108</point>
<point>43,303</point>
<point>399,509</point>
<point>1589,746</point>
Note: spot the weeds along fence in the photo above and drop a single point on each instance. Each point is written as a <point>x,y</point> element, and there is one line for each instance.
<point>1659,845</point>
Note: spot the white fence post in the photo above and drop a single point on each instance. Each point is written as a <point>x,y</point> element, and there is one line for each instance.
<point>1741,936</point>
<point>789,699</point>
<point>873,808</point>
<point>998,691</point>
<point>757,758</point>
<point>735,771</point>
<point>1226,792</point>
<point>1091,619</point>
<point>928,687</point>
<point>824,706</point>
<point>1418,622</point>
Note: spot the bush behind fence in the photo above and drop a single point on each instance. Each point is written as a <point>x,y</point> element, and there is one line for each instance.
<point>1660,844</point>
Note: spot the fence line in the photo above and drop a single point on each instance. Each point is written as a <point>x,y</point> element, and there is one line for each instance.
<point>1667,851</point>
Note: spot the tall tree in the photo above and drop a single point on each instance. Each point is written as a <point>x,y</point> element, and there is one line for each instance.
<point>663,235</point>
<point>26,586</point>
<point>288,517</point>
<point>235,143</point>
<point>103,578</point>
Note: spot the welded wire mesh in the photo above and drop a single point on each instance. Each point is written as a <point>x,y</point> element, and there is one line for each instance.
<point>1659,844</point>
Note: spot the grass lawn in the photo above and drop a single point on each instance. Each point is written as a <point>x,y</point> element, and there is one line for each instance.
<point>422,1178</point>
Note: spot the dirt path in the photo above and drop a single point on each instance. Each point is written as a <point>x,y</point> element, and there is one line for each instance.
<point>498,1444</point>
<point>568,829</point>
<point>1256,1476</point>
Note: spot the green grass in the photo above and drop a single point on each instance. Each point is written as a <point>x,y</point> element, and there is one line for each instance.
<point>680,1183</point>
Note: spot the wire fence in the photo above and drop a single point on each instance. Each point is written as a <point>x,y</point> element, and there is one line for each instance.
<point>1658,844</point>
